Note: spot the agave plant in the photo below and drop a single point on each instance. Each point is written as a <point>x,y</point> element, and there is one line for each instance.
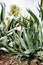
<point>28,42</point>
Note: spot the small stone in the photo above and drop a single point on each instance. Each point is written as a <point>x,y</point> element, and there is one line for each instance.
<point>26,62</point>
<point>41,63</point>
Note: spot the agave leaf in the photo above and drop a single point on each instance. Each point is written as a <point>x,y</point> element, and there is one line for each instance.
<point>11,24</point>
<point>34,16</point>
<point>28,40</point>
<point>28,51</point>
<point>40,36</point>
<point>41,11</point>
<point>10,49</point>
<point>23,44</point>
<point>21,51</point>
<point>3,40</point>
<point>2,12</point>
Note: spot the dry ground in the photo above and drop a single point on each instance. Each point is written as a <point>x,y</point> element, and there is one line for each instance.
<point>6,59</point>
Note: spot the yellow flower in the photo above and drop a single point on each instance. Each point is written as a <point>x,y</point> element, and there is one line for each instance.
<point>14,10</point>
<point>25,20</point>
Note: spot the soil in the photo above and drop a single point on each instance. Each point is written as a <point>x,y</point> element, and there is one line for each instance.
<point>6,59</point>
